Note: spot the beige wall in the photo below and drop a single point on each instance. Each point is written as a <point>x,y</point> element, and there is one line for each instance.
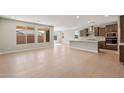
<point>8,36</point>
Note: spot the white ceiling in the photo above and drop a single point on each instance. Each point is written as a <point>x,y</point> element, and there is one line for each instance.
<point>65,22</point>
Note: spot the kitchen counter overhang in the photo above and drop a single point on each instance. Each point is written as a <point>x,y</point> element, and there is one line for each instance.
<point>85,45</point>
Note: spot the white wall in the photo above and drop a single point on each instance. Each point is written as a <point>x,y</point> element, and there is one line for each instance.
<point>8,36</point>
<point>68,35</point>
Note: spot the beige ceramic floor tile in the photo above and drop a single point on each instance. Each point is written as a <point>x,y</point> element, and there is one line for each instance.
<point>61,61</point>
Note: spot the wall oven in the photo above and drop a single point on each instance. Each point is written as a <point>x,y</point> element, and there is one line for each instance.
<point>111,38</point>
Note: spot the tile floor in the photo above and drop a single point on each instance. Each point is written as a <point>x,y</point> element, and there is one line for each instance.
<point>61,61</point>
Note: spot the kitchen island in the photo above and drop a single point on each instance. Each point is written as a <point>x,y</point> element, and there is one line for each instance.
<point>86,45</point>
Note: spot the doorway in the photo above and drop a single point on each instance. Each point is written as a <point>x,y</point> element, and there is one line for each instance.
<point>58,37</point>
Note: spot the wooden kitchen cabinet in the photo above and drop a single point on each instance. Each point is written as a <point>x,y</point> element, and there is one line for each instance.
<point>115,28</point>
<point>102,45</point>
<point>121,47</point>
<point>121,53</point>
<point>111,28</point>
<point>111,47</point>
<point>99,31</point>
<point>96,31</point>
<point>102,32</point>
<point>108,28</point>
<point>122,29</point>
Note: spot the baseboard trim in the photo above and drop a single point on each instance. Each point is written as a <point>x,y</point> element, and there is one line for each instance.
<point>15,51</point>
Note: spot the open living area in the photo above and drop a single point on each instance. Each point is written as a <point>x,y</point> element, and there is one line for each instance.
<point>61,46</point>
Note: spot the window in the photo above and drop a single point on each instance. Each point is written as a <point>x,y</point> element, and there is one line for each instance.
<point>24,34</point>
<point>43,35</point>
<point>20,35</point>
<point>30,34</point>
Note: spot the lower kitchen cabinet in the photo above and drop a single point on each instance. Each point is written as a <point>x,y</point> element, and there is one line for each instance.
<point>111,47</point>
<point>103,45</point>
<point>122,53</point>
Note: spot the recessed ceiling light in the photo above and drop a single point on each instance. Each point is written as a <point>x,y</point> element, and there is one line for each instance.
<point>77,17</point>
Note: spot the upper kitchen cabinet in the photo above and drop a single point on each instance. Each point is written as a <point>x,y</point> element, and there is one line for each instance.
<point>96,31</point>
<point>115,27</point>
<point>99,31</point>
<point>111,28</point>
<point>122,29</point>
<point>102,32</point>
<point>108,28</point>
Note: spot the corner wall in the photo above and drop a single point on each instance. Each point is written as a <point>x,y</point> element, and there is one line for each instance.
<point>8,36</point>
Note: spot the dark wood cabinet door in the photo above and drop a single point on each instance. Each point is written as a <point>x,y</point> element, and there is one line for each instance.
<point>102,45</point>
<point>115,28</point>
<point>101,31</point>
<point>111,47</point>
<point>107,28</point>
<point>111,28</point>
<point>122,29</point>
<point>96,31</point>
<point>122,53</point>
